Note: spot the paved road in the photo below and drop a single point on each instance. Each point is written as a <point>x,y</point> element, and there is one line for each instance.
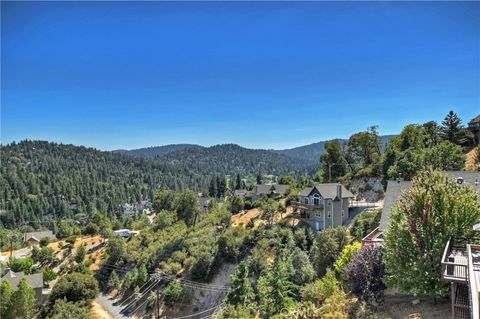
<point>108,304</point>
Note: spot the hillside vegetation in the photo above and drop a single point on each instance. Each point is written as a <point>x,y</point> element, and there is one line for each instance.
<point>41,181</point>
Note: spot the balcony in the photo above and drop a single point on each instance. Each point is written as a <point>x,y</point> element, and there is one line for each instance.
<point>455,261</point>
<point>461,266</point>
<point>299,205</point>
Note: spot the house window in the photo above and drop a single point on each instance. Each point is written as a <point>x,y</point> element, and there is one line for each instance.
<point>306,200</point>
<point>342,212</point>
<point>316,200</point>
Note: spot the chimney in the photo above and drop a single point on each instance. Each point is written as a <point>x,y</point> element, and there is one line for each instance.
<point>339,191</point>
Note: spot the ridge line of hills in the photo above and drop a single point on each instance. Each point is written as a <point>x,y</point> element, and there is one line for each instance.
<point>310,152</point>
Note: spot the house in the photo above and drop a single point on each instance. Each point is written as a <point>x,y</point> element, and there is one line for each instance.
<point>242,193</point>
<point>34,238</point>
<point>35,281</point>
<point>392,194</point>
<point>270,190</point>
<point>324,205</point>
<point>474,126</point>
<point>204,203</point>
<point>129,210</point>
<point>126,233</point>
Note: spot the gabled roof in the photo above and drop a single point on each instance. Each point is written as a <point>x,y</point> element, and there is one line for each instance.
<point>392,194</point>
<point>266,189</point>
<point>39,235</point>
<point>328,190</point>
<point>474,120</point>
<point>469,178</point>
<point>395,189</point>
<point>34,280</point>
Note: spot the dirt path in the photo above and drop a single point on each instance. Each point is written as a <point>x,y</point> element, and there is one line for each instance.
<point>98,312</point>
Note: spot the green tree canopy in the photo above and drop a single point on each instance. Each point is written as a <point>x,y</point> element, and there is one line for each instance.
<point>333,162</point>
<point>75,287</point>
<point>451,127</point>
<point>420,225</point>
<point>241,291</point>
<point>23,301</point>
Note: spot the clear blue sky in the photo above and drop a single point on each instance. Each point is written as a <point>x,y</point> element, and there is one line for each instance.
<point>264,75</point>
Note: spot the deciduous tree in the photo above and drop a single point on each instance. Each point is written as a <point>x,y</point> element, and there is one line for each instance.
<point>421,223</point>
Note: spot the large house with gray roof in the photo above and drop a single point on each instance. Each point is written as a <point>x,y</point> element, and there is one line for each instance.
<point>324,206</point>
<point>34,280</point>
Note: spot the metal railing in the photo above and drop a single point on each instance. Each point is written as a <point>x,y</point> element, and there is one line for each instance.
<point>355,203</point>
<point>452,270</point>
<point>307,206</point>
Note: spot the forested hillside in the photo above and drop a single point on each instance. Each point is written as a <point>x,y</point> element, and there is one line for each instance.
<point>42,181</point>
<point>312,152</point>
<point>222,158</point>
<point>156,151</point>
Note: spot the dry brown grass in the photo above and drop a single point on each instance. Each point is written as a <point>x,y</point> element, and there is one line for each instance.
<point>243,218</point>
<point>470,160</point>
<point>98,312</point>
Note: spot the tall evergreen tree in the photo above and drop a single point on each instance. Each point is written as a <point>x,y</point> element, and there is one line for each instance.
<point>451,128</point>
<point>259,178</point>
<point>238,182</point>
<point>24,300</point>
<point>241,291</point>
<point>6,302</point>
<point>212,188</point>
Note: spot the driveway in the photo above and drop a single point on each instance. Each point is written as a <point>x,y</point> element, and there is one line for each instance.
<point>109,305</point>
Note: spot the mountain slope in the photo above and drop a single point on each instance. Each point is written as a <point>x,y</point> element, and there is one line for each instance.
<point>312,152</point>
<point>156,151</point>
<point>230,158</point>
<point>43,181</point>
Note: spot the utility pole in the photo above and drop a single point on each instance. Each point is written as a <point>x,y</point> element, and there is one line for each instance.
<point>11,237</point>
<point>158,302</point>
<point>330,171</point>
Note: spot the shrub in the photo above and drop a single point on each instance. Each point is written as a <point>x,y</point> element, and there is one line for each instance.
<point>364,274</point>
<point>172,293</point>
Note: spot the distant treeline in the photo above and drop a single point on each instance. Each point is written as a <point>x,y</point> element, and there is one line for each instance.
<point>42,181</point>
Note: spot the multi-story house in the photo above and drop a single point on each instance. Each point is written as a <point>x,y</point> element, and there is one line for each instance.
<point>324,206</point>
<point>474,126</point>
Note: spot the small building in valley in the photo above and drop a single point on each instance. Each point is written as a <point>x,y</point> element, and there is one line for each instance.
<point>34,238</point>
<point>126,233</point>
<point>270,190</point>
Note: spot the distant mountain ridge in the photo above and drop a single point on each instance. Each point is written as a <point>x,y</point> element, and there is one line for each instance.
<point>156,151</point>
<point>309,153</point>
<point>312,152</point>
<point>41,181</point>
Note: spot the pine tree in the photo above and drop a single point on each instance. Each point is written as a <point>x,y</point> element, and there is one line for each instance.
<point>241,291</point>
<point>238,183</point>
<point>451,128</point>
<point>6,293</point>
<point>24,300</point>
<point>259,178</point>
<point>212,189</point>
<point>114,281</point>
